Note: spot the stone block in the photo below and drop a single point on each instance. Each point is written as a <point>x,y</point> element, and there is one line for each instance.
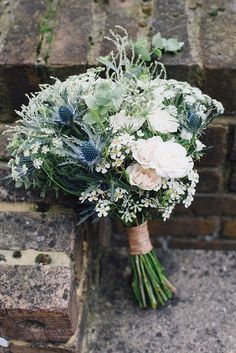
<point>18,52</point>
<point>38,303</point>
<point>218,46</point>
<point>39,231</point>
<point>72,26</point>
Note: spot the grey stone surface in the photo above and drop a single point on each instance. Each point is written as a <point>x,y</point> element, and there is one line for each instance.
<point>24,230</point>
<point>201,319</point>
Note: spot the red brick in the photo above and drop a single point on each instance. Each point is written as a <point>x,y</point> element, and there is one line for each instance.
<point>206,244</point>
<point>233,147</point>
<point>175,226</point>
<point>232,183</point>
<point>210,180</point>
<point>185,226</point>
<point>229,227</point>
<point>214,204</point>
<point>216,139</point>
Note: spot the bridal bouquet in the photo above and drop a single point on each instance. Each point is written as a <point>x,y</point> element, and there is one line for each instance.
<point>123,139</point>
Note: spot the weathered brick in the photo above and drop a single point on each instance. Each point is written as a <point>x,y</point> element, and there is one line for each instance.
<point>214,204</point>
<point>210,180</point>
<point>207,244</point>
<point>233,179</point>
<point>125,14</point>
<point>18,53</point>
<point>8,192</point>
<point>229,227</point>
<point>215,138</point>
<point>4,153</point>
<point>217,38</point>
<point>71,34</point>
<point>177,226</point>
<point>171,19</point>
<point>185,226</point>
<point>38,303</point>
<point>233,147</point>
<point>32,230</point>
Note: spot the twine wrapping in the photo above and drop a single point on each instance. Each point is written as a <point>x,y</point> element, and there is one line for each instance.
<point>139,240</point>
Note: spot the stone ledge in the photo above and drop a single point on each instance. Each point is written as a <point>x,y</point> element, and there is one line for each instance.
<point>202,318</point>
<point>38,303</point>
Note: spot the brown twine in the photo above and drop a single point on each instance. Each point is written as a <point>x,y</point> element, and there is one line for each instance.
<point>139,240</point>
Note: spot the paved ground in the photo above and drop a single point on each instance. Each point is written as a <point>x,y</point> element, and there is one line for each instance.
<point>201,319</point>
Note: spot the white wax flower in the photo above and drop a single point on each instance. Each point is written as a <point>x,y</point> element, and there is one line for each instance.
<point>186,135</point>
<point>145,179</point>
<point>171,161</point>
<point>160,120</point>
<point>120,121</point>
<point>199,145</point>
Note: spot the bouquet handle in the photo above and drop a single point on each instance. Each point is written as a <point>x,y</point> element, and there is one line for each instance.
<point>149,283</point>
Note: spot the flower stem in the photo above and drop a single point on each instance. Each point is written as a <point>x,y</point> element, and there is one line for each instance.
<point>150,285</point>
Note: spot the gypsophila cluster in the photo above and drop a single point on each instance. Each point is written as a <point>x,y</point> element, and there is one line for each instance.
<point>123,139</point>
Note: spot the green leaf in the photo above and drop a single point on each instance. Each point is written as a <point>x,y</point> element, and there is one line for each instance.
<point>157,52</point>
<point>141,49</point>
<point>90,118</point>
<point>213,11</point>
<point>157,41</point>
<point>105,60</point>
<point>172,45</point>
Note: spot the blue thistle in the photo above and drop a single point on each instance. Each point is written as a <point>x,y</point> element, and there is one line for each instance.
<point>89,153</point>
<point>194,121</point>
<point>65,114</point>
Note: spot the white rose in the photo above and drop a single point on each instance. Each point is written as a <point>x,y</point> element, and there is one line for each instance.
<point>145,179</point>
<point>160,120</point>
<point>171,160</point>
<point>120,121</point>
<point>143,150</point>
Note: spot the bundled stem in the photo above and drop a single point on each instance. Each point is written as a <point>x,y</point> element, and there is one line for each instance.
<point>150,285</point>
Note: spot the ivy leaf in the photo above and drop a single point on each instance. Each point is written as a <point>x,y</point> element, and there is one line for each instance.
<point>157,41</point>
<point>157,52</point>
<point>141,49</point>
<point>172,45</point>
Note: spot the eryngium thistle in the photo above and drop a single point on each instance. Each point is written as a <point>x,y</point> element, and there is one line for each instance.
<point>89,153</point>
<point>194,121</point>
<point>65,114</point>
